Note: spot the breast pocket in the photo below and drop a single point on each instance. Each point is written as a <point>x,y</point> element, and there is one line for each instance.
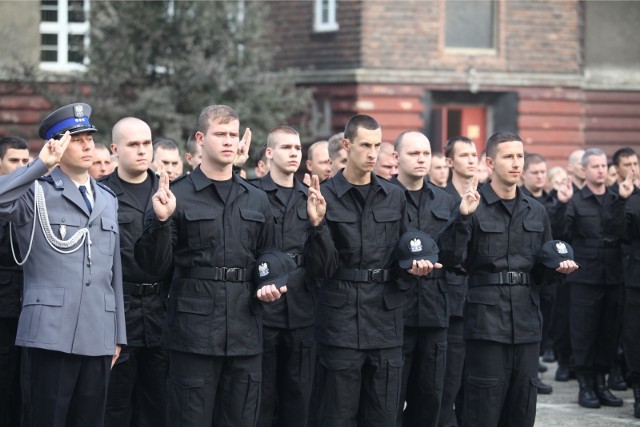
<point>108,235</point>
<point>493,239</point>
<point>387,223</point>
<point>343,228</point>
<point>532,236</point>
<point>252,222</point>
<point>127,228</point>
<point>441,218</point>
<point>200,225</point>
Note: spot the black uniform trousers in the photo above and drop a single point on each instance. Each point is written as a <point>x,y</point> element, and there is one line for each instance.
<point>425,353</point>
<point>288,365</point>
<point>499,384</point>
<point>198,383</point>
<point>561,320</point>
<point>631,333</point>
<point>594,336</point>
<point>359,387</point>
<point>548,293</point>
<point>137,388</point>
<point>64,390</point>
<point>10,402</point>
<point>453,373</point>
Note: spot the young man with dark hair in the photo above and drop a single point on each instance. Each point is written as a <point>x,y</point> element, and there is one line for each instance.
<point>288,358</point>
<point>14,153</point>
<point>625,161</point>
<point>318,160</point>
<point>357,222</point>
<point>211,226</point>
<point>497,236</point>
<point>101,165</point>
<point>426,310</point>
<point>337,154</point>
<point>166,157</point>
<point>137,387</point>
<point>439,171</point>
<point>193,154</point>
<point>262,164</point>
<point>387,163</point>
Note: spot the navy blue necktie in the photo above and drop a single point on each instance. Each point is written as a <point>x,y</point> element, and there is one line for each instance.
<point>83,191</point>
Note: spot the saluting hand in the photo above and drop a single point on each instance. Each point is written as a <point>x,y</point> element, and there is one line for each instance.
<point>53,149</point>
<point>565,191</point>
<point>316,205</point>
<point>422,267</point>
<point>243,149</point>
<point>164,202</point>
<point>626,187</point>
<point>470,199</point>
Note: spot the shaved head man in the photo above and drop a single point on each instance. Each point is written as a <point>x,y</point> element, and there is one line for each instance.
<point>318,161</point>
<point>575,169</point>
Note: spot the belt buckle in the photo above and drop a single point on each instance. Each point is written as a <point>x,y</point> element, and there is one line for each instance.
<point>514,277</point>
<point>376,275</point>
<point>232,274</point>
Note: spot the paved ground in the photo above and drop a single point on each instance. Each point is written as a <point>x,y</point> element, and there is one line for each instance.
<point>561,407</point>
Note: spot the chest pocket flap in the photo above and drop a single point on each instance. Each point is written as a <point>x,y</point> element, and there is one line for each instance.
<point>531,225</point>
<point>44,296</point>
<point>125,218</point>
<point>386,215</point>
<point>302,212</point>
<point>109,224</point>
<point>341,216</point>
<point>441,215</point>
<point>251,215</point>
<point>66,219</point>
<point>199,215</point>
<point>491,227</point>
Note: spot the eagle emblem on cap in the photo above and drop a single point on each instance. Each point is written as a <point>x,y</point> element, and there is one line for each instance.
<point>78,110</point>
<point>561,248</point>
<point>415,245</point>
<point>263,269</point>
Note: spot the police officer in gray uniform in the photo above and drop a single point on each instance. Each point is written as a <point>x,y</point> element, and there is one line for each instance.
<point>72,319</point>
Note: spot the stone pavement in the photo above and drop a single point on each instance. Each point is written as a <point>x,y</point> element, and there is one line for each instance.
<point>561,407</point>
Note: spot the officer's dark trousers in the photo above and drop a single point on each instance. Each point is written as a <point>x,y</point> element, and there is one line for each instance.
<point>499,387</point>
<point>359,387</point>
<point>594,336</point>
<point>631,333</point>
<point>561,329</point>
<point>137,388</point>
<point>10,402</point>
<point>195,381</point>
<point>425,354</point>
<point>288,365</point>
<point>64,390</point>
<point>548,293</point>
<point>453,372</point>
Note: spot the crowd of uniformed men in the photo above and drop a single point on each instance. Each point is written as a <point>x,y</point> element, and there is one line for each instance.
<point>376,292</point>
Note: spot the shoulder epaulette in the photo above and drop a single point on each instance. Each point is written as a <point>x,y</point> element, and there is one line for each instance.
<point>46,178</point>
<point>107,189</point>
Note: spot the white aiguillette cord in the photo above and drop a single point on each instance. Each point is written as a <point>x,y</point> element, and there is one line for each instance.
<point>40,206</point>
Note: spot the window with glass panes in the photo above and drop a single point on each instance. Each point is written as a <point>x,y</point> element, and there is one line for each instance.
<point>64,32</point>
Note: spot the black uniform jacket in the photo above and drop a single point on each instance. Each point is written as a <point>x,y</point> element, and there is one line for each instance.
<point>456,277</point>
<point>10,275</point>
<point>145,315</point>
<point>295,309</point>
<point>427,301</point>
<point>206,316</point>
<point>496,240</point>
<point>595,231</point>
<point>360,315</point>
<point>632,241</point>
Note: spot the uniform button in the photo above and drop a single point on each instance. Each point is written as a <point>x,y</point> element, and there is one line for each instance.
<point>88,283</point>
<point>38,300</point>
<point>90,224</point>
<point>63,219</point>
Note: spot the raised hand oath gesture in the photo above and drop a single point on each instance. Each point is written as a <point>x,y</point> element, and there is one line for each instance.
<point>243,149</point>
<point>316,205</point>
<point>53,149</point>
<point>626,187</point>
<point>470,199</point>
<point>164,202</point>
<point>565,191</point>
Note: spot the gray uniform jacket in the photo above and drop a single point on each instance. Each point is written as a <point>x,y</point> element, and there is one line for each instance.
<point>69,305</point>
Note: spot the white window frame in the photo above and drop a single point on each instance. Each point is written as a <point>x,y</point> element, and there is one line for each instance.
<point>331,24</point>
<point>63,28</point>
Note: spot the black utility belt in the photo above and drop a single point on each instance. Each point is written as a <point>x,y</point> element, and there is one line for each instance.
<point>605,242</point>
<point>298,258</point>
<point>220,274</point>
<point>141,288</point>
<point>436,273</point>
<point>355,275</point>
<point>511,278</point>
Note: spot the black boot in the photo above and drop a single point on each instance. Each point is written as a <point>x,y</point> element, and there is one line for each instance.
<point>548,356</point>
<point>616,381</point>
<point>562,373</point>
<point>636,397</point>
<point>542,367</point>
<point>586,396</point>
<point>604,394</point>
<point>542,387</point>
